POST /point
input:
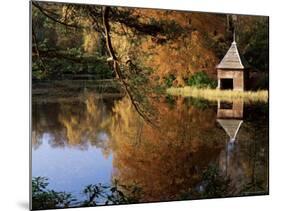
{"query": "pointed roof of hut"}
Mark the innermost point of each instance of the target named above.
(231, 126)
(233, 59)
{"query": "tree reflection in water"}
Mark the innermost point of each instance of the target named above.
(182, 158)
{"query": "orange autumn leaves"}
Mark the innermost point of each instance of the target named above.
(185, 49)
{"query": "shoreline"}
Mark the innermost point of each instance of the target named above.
(217, 94)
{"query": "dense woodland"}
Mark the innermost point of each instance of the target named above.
(137, 46)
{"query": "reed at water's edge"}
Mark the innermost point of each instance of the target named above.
(215, 94)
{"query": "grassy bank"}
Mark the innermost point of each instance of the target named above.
(215, 94)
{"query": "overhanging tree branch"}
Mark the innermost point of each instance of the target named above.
(45, 12)
(116, 65)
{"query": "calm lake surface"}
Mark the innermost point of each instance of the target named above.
(84, 135)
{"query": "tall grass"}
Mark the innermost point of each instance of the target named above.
(215, 94)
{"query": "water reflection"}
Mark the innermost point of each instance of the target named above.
(230, 118)
(233, 162)
(199, 149)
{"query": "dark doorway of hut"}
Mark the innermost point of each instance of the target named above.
(227, 83)
(226, 105)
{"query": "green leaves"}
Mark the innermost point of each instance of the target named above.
(201, 80)
(168, 80)
(43, 198)
(107, 194)
(257, 44)
(96, 194)
(39, 184)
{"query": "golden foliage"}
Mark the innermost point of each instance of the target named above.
(182, 55)
(81, 125)
(90, 41)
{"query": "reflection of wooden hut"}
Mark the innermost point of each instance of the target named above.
(232, 71)
(231, 127)
(230, 117)
(230, 110)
